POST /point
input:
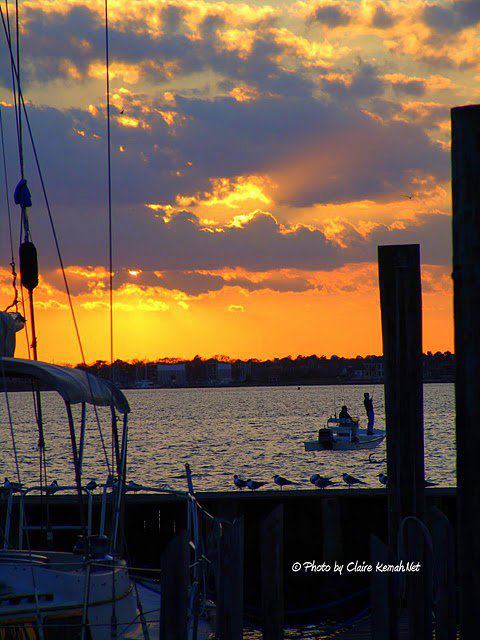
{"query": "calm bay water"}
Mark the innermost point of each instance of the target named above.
(255, 432)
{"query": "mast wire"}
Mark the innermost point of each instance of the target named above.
(14, 303)
(109, 184)
(21, 102)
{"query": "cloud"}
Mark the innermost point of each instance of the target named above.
(184, 255)
(382, 18)
(452, 17)
(332, 15)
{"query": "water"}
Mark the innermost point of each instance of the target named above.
(255, 432)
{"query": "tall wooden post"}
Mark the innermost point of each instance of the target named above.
(271, 547)
(229, 615)
(401, 306)
(466, 279)
(175, 584)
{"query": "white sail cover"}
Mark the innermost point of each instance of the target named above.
(74, 385)
(10, 323)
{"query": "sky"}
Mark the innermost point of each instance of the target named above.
(260, 154)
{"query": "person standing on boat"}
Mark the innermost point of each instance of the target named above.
(368, 403)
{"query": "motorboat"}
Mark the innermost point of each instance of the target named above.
(345, 434)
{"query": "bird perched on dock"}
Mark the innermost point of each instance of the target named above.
(133, 486)
(281, 482)
(323, 483)
(12, 486)
(253, 484)
(317, 476)
(52, 488)
(91, 485)
(351, 480)
(239, 482)
(383, 479)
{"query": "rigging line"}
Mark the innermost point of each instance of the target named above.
(20, 133)
(38, 613)
(109, 204)
(14, 88)
(10, 422)
(54, 233)
(7, 201)
(109, 184)
(44, 191)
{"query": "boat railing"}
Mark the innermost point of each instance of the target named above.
(24, 527)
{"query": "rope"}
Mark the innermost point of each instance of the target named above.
(402, 549)
(17, 466)
(14, 304)
(20, 132)
(52, 225)
(109, 184)
(14, 92)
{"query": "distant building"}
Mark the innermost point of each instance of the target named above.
(224, 373)
(172, 375)
(360, 373)
(374, 369)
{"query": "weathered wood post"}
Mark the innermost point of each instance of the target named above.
(466, 289)
(401, 307)
(175, 585)
(384, 618)
(229, 614)
(443, 539)
(271, 549)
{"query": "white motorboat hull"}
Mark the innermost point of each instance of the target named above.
(344, 443)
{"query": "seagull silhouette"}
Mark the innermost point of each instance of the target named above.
(52, 488)
(323, 483)
(383, 478)
(91, 485)
(239, 483)
(351, 480)
(253, 484)
(281, 482)
(12, 486)
(133, 486)
(317, 476)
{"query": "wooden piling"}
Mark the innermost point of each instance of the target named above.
(466, 280)
(175, 584)
(271, 549)
(382, 593)
(443, 539)
(401, 308)
(229, 579)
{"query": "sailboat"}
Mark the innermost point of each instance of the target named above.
(87, 592)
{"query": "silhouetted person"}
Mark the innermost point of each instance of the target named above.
(368, 403)
(344, 415)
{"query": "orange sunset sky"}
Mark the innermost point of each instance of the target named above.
(260, 153)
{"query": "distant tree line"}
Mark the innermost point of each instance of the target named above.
(313, 369)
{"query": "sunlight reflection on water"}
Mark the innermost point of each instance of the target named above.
(255, 432)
